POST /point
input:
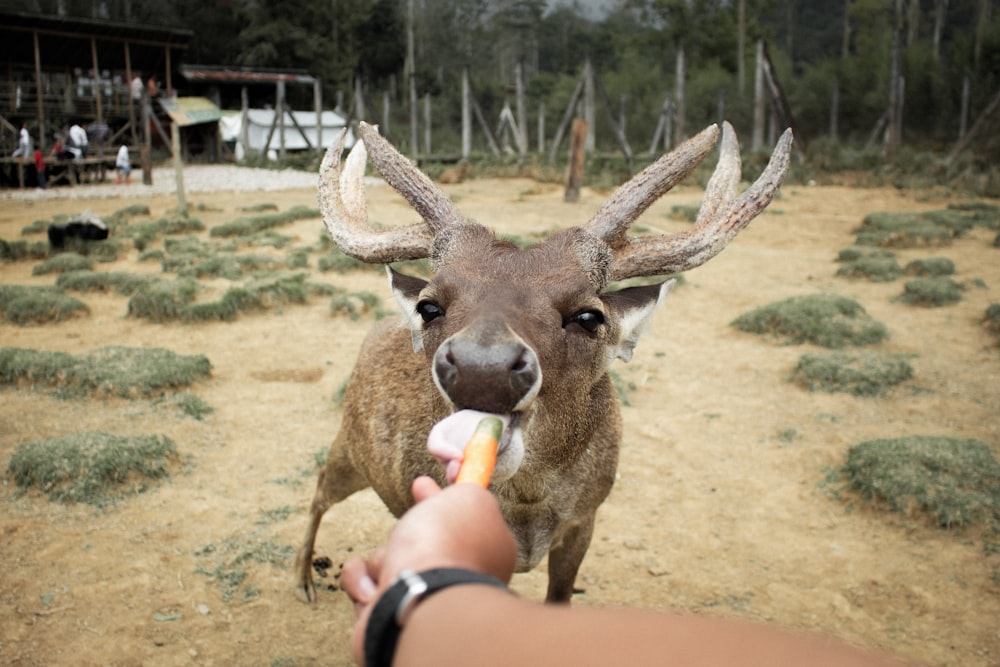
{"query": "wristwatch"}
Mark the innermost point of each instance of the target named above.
(394, 607)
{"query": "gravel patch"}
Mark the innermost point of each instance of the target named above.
(197, 178)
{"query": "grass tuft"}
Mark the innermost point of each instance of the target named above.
(930, 266)
(124, 372)
(931, 292)
(861, 374)
(30, 304)
(828, 320)
(93, 467)
(955, 481)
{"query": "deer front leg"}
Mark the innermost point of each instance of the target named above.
(337, 480)
(565, 559)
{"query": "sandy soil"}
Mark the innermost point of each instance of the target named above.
(718, 509)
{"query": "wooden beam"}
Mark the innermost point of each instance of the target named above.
(96, 79)
(38, 93)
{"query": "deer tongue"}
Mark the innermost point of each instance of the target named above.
(449, 436)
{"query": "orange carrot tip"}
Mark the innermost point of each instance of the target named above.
(481, 453)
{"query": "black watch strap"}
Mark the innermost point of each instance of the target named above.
(386, 622)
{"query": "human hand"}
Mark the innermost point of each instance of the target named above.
(460, 526)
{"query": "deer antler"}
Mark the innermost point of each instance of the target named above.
(343, 204)
(722, 214)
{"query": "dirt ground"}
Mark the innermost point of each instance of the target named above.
(719, 506)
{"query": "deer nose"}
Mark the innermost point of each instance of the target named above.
(493, 377)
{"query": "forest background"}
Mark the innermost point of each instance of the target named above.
(833, 59)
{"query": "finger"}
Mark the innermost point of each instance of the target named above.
(357, 581)
(424, 488)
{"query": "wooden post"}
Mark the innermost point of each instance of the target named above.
(522, 109)
(681, 74)
(168, 78)
(38, 92)
(427, 123)
(386, 114)
(245, 121)
(318, 105)
(588, 104)
(541, 127)
(577, 151)
(146, 155)
(175, 148)
(97, 80)
(963, 117)
(279, 110)
(466, 114)
(834, 110)
(131, 102)
(757, 140)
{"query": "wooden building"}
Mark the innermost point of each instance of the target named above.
(59, 71)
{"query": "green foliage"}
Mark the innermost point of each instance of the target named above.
(992, 320)
(931, 292)
(930, 266)
(875, 269)
(144, 234)
(106, 250)
(68, 261)
(860, 373)
(684, 212)
(859, 252)
(162, 301)
(253, 224)
(192, 405)
(122, 282)
(93, 467)
(907, 230)
(954, 480)
(354, 304)
(339, 262)
(227, 563)
(29, 304)
(124, 372)
(828, 320)
(14, 251)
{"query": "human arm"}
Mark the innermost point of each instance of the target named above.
(462, 527)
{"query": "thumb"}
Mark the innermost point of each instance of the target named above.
(423, 488)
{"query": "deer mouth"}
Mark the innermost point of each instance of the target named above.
(449, 436)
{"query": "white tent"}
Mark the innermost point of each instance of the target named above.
(262, 131)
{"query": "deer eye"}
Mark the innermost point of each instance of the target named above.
(589, 320)
(428, 310)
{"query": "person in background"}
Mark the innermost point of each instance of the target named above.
(77, 143)
(59, 151)
(124, 166)
(135, 88)
(455, 542)
(40, 168)
(152, 87)
(23, 143)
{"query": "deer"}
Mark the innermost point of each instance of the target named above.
(527, 334)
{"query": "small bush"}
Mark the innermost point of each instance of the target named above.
(931, 292)
(992, 320)
(94, 468)
(28, 304)
(875, 269)
(909, 230)
(828, 320)
(860, 374)
(857, 252)
(68, 261)
(15, 251)
(339, 262)
(930, 266)
(684, 212)
(354, 304)
(146, 233)
(956, 481)
(162, 301)
(122, 282)
(253, 224)
(123, 372)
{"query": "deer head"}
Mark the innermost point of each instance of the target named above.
(529, 333)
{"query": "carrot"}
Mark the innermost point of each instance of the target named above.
(481, 453)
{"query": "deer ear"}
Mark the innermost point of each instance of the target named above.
(406, 290)
(635, 307)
